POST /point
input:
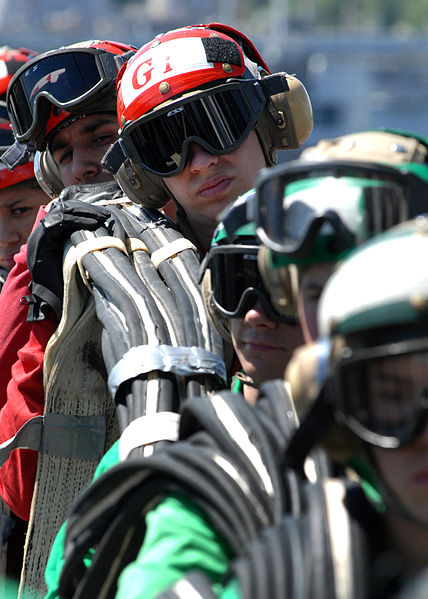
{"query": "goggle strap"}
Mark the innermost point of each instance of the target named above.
(16, 155)
(114, 157)
(121, 59)
(274, 84)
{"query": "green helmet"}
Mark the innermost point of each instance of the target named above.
(374, 310)
(309, 213)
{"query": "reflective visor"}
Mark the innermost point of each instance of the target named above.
(236, 283)
(293, 204)
(67, 79)
(219, 119)
(384, 398)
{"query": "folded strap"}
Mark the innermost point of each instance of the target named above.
(61, 435)
(96, 244)
(162, 426)
(171, 250)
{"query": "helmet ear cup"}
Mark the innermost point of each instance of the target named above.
(141, 186)
(295, 108)
(47, 174)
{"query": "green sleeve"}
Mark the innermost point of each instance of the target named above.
(56, 557)
(179, 539)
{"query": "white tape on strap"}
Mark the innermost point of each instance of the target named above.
(162, 426)
(171, 250)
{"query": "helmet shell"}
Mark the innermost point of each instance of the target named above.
(175, 63)
(390, 146)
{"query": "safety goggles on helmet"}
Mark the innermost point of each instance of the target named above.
(236, 283)
(358, 199)
(381, 393)
(70, 79)
(219, 119)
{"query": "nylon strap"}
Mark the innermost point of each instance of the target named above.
(93, 245)
(183, 361)
(171, 250)
(162, 426)
(134, 244)
(60, 435)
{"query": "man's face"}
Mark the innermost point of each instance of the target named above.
(396, 387)
(263, 346)
(209, 183)
(312, 280)
(78, 148)
(18, 209)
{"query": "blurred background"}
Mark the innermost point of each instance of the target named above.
(363, 62)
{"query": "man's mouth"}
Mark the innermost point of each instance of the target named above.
(214, 185)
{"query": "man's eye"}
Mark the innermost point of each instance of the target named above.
(63, 157)
(105, 138)
(20, 211)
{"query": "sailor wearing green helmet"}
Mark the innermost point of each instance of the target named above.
(373, 316)
(310, 214)
(239, 306)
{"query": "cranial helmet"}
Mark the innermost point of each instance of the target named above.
(22, 172)
(391, 146)
(204, 83)
(374, 309)
(313, 212)
(57, 86)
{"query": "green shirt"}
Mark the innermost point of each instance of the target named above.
(179, 539)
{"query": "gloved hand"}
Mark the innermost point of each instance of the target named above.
(46, 244)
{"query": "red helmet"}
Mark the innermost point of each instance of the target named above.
(206, 84)
(70, 81)
(179, 61)
(10, 61)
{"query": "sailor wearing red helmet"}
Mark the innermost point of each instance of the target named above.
(64, 97)
(20, 200)
(200, 115)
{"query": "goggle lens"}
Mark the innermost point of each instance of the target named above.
(236, 283)
(293, 203)
(219, 119)
(385, 399)
(65, 79)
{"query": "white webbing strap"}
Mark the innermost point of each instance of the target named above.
(171, 250)
(60, 435)
(162, 426)
(134, 245)
(96, 244)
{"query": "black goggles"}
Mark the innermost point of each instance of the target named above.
(383, 397)
(219, 119)
(236, 283)
(287, 224)
(68, 79)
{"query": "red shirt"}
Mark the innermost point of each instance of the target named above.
(22, 349)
